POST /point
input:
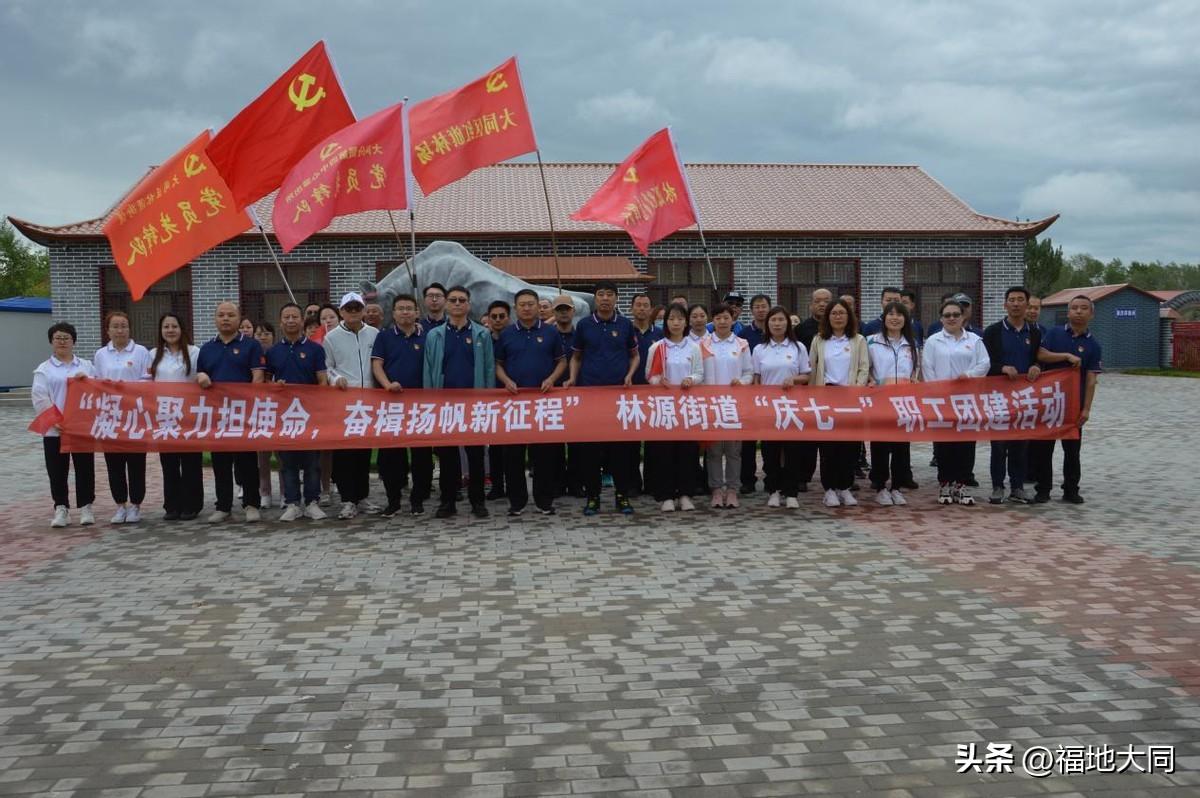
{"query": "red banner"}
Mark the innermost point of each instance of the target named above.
(647, 194)
(358, 168)
(181, 417)
(479, 124)
(176, 213)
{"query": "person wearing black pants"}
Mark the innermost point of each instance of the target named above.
(394, 470)
(126, 480)
(183, 485)
(496, 471)
(352, 475)
(953, 469)
(541, 456)
(894, 360)
(839, 358)
(58, 468)
(780, 465)
(240, 466)
(450, 479)
(123, 360)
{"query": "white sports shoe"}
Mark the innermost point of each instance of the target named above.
(831, 499)
(792, 503)
(291, 513)
(369, 507)
(119, 515)
(60, 516)
(218, 516)
(884, 497)
(264, 502)
(685, 503)
(133, 514)
(348, 511)
(86, 516)
(847, 498)
(313, 511)
(774, 499)
(668, 506)
(253, 514)
(898, 498)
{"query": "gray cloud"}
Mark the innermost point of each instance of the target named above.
(1088, 109)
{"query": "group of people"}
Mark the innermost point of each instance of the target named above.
(535, 343)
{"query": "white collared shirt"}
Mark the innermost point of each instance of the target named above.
(947, 358)
(775, 361)
(696, 339)
(127, 365)
(837, 359)
(891, 360)
(50, 383)
(171, 367)
(678, 359)
(726, 360)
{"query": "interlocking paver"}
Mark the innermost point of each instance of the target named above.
(707, 654)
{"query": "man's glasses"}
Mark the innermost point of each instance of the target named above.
(951, 315)
(458, 300)
(497, 317)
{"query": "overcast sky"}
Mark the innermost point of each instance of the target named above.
(1089, 109)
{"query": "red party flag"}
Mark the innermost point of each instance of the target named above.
(179, 211)
(255, 151)
(482, 123)
(647, 194)
(46, 420)
(358, 168)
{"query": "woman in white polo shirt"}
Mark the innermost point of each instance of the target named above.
(174, 360)
(674, 360)
(894, 359)
(50, 390)
(125, 361)
(726, 362)
(781, 360)
(839, 358)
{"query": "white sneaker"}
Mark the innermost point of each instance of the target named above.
(847, 498)
(348, 511)
(218, 517)
(774, 499)
(264, 502)
(253, 515)
(792, 503)
(133, 514)
(324, 500)
(831, 499)
(291, 513)
(685, 503)
(120, 515)
(884, 497)
(898, 498)
(668, 506)
(60, 516)
(369, 507)
(731, 498)
(314, 512)
(86, 516)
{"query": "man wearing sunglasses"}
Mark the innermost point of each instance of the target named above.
(496, 320)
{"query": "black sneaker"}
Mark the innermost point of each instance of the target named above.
(592, 506)
(513, 512)
(1072, 498)
(802, 487)
(972, 482)
(546, 510)
(909, 485)
(171, 515)
(391, 509)
(1041, 498)
(495, 495)
(623, 505)
(479, 510)
(188, 516)
(417, 508)
(446, 511)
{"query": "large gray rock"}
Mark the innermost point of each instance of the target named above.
(449, 263)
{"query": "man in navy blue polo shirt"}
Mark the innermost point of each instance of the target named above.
(232, 357)
(605, 353)
(295, 360)
(641, 311)
(1012, 345)
(398, 359)
(567, 460)
(1069, 346)
(908, 298)
(529, 355)
(435, 306)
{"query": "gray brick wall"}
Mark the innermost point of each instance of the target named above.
(74, 268)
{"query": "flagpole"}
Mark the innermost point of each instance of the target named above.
(695, 209)
(550, 217)
(400, 244)
(271, 249)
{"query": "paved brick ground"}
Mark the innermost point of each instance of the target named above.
(710, 654)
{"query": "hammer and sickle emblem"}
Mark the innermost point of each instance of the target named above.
(329, 149)
(630, 175)
(496, 83)
(303, 99)
(192, 165)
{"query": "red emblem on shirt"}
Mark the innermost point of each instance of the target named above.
(303, 355)
(235, 351)
(468, 339)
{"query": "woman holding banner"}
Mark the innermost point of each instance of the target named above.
(839, 357)
(894, 359)
(49, 394)
(674, 360)
(124, 360)
(781, 360)
(174, 360)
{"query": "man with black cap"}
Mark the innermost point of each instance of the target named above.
(605, 353)
(736, 302)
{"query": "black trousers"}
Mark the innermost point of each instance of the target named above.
(596, 456)
(954, 461)
(352, 473)
(58, 467)
(496, 461)
(183, 482)
(633, 467)
(673, 475)
(245, 466)
(450, 479)
(749, 475)
(126, 477)
(541, 457)
(781, 463)
(1041, 458)
(838, 460)
(890, 460)
(806, 461)
(394, 471)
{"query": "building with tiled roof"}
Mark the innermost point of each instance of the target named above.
(778, 229)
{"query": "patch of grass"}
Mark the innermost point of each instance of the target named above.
(1163, 373)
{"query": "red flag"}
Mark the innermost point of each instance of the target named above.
(647, 194)
(179, 211)
(482, 123)
(261, 144)
(46, 420)
(358, 168)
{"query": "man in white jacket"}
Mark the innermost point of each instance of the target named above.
(348, 361)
